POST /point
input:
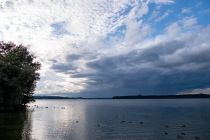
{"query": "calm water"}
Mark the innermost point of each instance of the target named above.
(172, 119)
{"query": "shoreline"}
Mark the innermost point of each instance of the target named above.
(187, 96)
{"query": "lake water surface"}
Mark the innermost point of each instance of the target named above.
(150, 119)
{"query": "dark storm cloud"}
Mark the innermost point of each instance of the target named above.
(72, 63)
(166, 68)
(63, 67)
(69, 67)
(147, 72)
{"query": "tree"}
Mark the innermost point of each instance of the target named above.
(18, 74)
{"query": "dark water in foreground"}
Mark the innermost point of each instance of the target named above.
(166, 119)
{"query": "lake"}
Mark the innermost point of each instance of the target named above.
(140, 119)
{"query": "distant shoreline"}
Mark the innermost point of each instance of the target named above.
(61, 97)
(187, 96)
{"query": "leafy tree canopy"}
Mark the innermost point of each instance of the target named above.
(18, 74)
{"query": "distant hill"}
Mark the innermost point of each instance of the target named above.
(55, 97)
(163, 96)
(61, 97)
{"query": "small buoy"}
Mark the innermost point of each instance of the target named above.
(197, 138)
(166, 133)
(179, 137)
(166, 126)
(183, 125)
(183, 133)
(141, 122)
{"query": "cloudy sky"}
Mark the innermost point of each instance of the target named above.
(101, 48)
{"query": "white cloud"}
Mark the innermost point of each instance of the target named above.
(197, 91)
(173, 29)
(163, 1)
(186, 10)
(189, 22)
(136, 31)
(181, 26)
(167, 13)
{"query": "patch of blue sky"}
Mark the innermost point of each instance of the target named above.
(153, 18)
(59, 29)
(198, 9)
(201, 11)
(118, 34)
(126, 10)
(122, 13)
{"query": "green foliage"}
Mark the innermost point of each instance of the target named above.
(18, 74)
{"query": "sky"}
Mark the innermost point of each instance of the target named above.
(104, 48)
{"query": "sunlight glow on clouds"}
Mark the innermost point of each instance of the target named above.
(95, 47)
